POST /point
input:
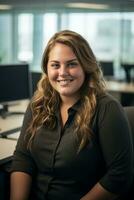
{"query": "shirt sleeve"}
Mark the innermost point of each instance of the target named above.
(116, 145)
(22, 158)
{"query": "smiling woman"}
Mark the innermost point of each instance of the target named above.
(75, 141)
(65, 73)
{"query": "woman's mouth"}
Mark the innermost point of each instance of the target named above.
(64, 82)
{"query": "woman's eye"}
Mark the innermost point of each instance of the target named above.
(73, 64)
(55, 65)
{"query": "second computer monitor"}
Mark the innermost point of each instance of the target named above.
(15, 83)
(107, 68)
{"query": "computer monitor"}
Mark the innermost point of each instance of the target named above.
(35, 76)
(128, 69)
(15, 84)
(107, 68)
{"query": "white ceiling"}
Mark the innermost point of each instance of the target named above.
(117, 5)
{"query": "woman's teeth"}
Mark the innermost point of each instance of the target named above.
(64, 82)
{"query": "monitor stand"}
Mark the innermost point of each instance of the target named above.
(4, 112)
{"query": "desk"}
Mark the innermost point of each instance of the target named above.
(7, 148)
(10, 124)
(123, 91)
(13, 121)
(122, 87)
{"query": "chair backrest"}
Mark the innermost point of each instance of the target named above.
(130, 114)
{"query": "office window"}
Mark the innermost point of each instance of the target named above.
(25, 37)
(75, 22)
(127, 39)
(5, 38)
(45, 25)
(26, 34)
(49, 26)
(37, 41)
(99, 30)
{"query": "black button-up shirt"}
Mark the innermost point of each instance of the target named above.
(60, 172)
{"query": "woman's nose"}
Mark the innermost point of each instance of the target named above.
(63, 70)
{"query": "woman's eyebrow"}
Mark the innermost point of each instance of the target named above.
(56, 61)
(68, 61)
(72, 60)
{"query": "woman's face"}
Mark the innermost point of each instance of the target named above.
(65, 73)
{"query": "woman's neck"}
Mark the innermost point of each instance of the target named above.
(68, 102)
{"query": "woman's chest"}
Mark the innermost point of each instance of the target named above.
(57, 152)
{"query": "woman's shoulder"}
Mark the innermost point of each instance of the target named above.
(28, 112)
(107, 99)
(108, 107)
(108, 103)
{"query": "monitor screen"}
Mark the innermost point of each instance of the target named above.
(107, 68)
(15, 82)
(35, 76)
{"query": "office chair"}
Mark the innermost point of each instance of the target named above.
(129, 110)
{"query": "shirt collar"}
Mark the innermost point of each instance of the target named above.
(72, 109)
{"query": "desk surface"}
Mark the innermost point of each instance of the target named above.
(7, 148)
(13, 121)
(121, 87)
(10, 123)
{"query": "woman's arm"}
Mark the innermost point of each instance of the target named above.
(20, 186)
(116, 147)
(23, 165)
(99, 193)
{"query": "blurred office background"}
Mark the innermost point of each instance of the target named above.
(108, 25)
(26, 26)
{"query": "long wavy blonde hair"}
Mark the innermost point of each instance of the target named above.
(46, 98)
